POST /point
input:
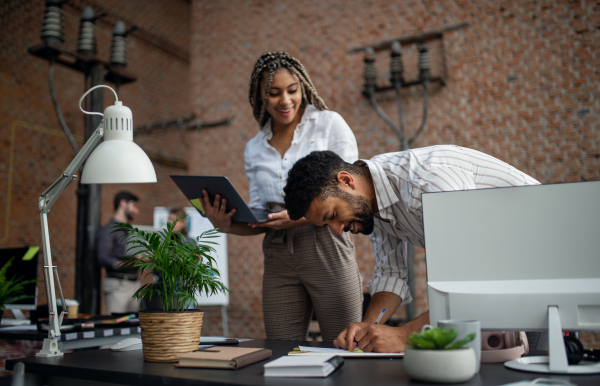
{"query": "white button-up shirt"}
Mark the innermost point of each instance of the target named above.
(400, 179)
(267, 170)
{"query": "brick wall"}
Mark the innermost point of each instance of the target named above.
(522, 85)
(158, 55)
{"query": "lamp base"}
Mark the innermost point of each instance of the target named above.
(50, 349)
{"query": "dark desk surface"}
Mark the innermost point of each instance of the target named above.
(130, 368)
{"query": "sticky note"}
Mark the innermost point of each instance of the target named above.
(30, 253)
(198, 205)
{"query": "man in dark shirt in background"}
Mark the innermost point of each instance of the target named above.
(119, 285)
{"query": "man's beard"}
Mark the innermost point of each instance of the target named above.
(362, 212)
(128, 215)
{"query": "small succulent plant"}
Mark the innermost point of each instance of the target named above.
(438, 339)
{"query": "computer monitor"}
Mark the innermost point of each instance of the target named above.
(24, 264)
(518, 258)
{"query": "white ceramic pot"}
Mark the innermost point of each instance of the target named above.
(443, 366)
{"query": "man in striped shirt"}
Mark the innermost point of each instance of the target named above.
(381, 197)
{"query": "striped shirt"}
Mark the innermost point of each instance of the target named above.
(400, 179)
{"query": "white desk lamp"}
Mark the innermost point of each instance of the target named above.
(115, 160)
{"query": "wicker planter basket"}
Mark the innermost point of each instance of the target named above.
(165, 335)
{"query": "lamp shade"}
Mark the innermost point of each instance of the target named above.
(114, 162)
(118, 159)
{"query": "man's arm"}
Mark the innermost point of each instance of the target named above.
(389, 286)
(379, 301)
(380, 338)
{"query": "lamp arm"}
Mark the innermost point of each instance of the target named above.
(45, 202)
(52, 193)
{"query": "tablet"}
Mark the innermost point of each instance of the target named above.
(192, 187)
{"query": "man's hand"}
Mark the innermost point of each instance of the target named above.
(280, 220)
(380, 338)
(346, 338)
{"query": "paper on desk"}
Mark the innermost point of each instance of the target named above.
(307, 350)
(324, 349)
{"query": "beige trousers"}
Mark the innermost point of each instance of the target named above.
(309, 268)
(118, 295)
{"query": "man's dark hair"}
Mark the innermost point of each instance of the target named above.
(314, 176)
(124, 196)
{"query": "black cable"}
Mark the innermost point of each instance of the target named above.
(384, 116)
(57, 109)
(403, 144)
(425, 83)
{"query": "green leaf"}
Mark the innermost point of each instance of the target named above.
(186, 267)
(421, 341)
(438, 339)
(462, 342)
(11, 290)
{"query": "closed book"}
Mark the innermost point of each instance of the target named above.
(223, 357)
(303, 366)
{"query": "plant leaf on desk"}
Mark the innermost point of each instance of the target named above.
(184, 266)
(438, 339)
(463, 341)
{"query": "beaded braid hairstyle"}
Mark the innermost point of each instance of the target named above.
(267, 64)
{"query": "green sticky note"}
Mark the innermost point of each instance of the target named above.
(197, 204)
(30, 253)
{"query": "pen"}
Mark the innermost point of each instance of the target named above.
(376, 322)
(380, 316)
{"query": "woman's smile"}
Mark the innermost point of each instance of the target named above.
(285, 99)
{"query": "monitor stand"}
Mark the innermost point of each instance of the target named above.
(18, 314)
(18, 319)
(557, 362)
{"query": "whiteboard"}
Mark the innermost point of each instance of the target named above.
(196, 224)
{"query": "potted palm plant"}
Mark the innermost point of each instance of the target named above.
(184, 267)
(11, 290)
(432, 357)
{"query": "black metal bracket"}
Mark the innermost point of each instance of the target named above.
(76, 61)
(180, 123)
(439, 80)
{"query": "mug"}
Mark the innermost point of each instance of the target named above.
(464, 328)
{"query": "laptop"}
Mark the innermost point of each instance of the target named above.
(192, 187)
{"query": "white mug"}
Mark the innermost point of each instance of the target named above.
(464, 328)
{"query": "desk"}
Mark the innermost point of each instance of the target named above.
(106, 367)
(73, 340)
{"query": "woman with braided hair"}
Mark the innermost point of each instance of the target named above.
(306, 267)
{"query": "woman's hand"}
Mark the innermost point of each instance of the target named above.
(280, 220)
(216, 212)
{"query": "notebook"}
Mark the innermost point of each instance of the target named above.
(305, 366)
(192, 187)
(223, 357)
